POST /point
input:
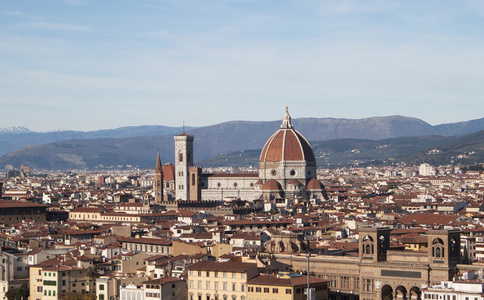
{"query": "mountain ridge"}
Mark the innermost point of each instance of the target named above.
(210, 141)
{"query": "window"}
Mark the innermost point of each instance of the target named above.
(199, 284)
(275, 291)
(225, 286)
(191, 284)
(368, 285)
(101, 296)
(266, 290)
(233, 287)
(233, 274)
(208, 273)
(225, 274)
(288, 291)
(242, 287)
(215, 274)
(101, 287)
(257, 289)
(199, 273)
(345, 282)
(207, 287)
(298, 291)
(216, 285)
(250, 289)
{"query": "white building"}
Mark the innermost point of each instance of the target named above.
(455, 290)
(426, 170)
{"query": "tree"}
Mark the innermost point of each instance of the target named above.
(12, 294)
(24, 292)
(21, 293)
(92, 275)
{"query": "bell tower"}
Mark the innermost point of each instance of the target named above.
(158, 181)
(183, 161)
(373, 244)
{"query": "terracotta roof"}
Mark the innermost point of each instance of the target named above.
(151, 241)
(168, 172)
(315, 184)
(87, 210)
(287, 144)
(230, 175)
(162, 281)
(284, 280)
(221, 266)
(6, 203)
(271, 185)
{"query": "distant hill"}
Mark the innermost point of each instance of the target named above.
(436, 150)
(123, 147)
(13, 138)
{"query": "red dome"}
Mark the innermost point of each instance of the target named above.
(287, 145)
(271, 185)
(315, 184)
(168, 172)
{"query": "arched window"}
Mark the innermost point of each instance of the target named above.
(368, 247)
(193, 179)
(180, 157)
(438, 248)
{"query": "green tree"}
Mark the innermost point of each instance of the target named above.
(24, 292)
(92, 275)
(12, 294)
(21, 293)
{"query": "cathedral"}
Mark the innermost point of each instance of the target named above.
(287, 170)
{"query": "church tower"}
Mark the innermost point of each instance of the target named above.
(183, 161)
(158, 181)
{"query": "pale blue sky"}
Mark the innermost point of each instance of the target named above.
(86, 65)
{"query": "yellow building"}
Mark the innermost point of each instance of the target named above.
(48, 283)
(286, 286)
(209, 280)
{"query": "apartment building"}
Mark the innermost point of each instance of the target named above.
(209, 280)
(48, 283)
(286, 286)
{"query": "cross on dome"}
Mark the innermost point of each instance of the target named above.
(286, 120)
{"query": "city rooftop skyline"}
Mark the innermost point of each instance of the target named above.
(88, 65)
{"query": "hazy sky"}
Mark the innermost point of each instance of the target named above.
(86, 65)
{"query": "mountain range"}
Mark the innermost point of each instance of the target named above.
(137, 145)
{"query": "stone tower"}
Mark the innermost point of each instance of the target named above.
(195, 189)
(373, 244)
(183, 161)
(158, 181)
(443, 254)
